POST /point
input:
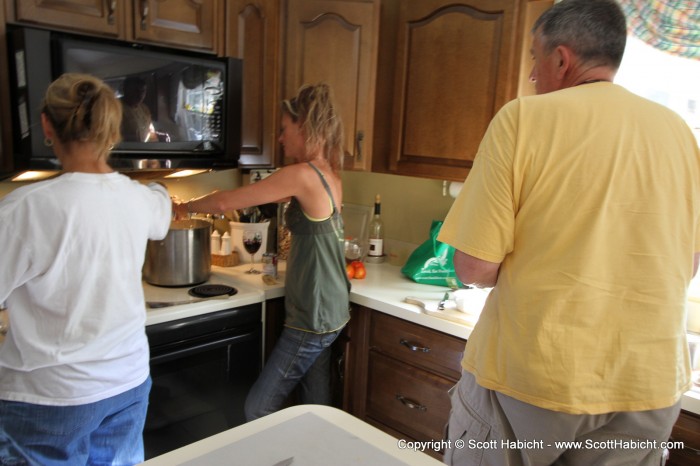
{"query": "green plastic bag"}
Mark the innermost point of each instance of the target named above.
(431, 262)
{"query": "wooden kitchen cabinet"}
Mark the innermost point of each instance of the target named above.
(402, 375)
(195, 24)
(189, 24)
(107, 18)
(253, 34)
(454, 67)
(336, 41)
(686, 430)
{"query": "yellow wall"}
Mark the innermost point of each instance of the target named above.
(409, 204)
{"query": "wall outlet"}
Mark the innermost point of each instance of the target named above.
(260, 174)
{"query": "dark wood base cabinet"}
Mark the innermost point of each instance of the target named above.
(401, 375)
(686, 430)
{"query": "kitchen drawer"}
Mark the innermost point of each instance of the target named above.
(417, 345)
(407, 399)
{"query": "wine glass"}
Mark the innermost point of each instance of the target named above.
(252, 240)
(353, 250)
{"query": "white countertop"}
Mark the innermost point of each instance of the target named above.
(282, 438)
(246, 295)
(384, 289)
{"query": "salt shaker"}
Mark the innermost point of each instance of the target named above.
(215, 242)
(226, 244)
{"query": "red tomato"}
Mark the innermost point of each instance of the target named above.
(350, 270)
(360, 271)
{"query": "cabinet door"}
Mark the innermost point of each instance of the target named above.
(193, 24)
(104, 17)
(455, 67)
(336, 41)
(252, 30)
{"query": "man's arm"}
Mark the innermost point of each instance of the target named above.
(476, 272)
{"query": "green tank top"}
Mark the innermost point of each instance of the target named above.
(317, 289)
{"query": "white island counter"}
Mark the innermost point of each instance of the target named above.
(309, 435)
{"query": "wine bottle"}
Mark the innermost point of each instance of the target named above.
(376, 232)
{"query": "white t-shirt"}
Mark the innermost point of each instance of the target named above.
(70, 273)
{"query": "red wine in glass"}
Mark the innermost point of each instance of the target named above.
(253, 245)
(252, 240)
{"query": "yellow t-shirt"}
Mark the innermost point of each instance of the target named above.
(589, 198)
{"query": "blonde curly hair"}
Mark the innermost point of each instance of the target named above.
(313, 108)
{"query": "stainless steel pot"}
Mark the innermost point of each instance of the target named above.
(182, 258)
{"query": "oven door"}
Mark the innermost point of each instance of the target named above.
(202, 368)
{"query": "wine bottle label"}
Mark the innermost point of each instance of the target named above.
(376, 247)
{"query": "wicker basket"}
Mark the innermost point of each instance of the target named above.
(228, 260)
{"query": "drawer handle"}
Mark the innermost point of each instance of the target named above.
(410, 403)
(414, 347)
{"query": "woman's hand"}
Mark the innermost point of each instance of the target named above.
(181, 210)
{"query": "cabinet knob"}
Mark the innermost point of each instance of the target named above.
(410, 403)
(414, 346)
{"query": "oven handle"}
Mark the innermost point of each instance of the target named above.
(194, 349)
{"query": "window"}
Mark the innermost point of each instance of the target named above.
(668, 79)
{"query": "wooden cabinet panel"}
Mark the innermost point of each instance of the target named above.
(408, 399)
(252, 29)
(455, 67)
(194, 24)
(417, 345)
(336, 41)
(104, 17)
(686, 430)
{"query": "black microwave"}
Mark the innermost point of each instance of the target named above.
(193, 101)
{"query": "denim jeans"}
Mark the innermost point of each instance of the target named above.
(107, 432)
(298, 358)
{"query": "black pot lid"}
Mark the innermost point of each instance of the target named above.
(211, 289)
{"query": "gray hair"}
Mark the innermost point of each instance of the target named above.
(595, 30)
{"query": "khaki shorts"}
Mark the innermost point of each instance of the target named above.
(487, 428)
